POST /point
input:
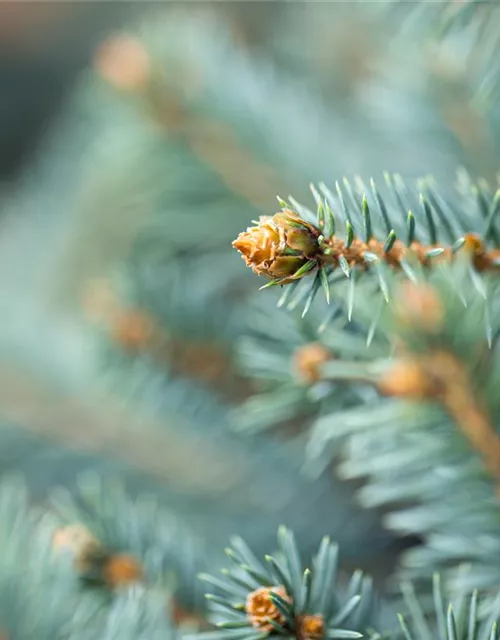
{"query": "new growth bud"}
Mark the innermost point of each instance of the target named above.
(279, 246)
(261, 609)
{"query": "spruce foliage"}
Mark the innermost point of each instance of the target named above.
(154, 403)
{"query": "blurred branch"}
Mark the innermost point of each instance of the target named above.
(113, 431)
(215, 144)
(441, 377)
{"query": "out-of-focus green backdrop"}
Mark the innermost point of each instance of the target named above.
(136, 141)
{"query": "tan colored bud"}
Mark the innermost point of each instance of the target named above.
(279, 246)
(122, 569)
(311, 627)
(419, 307)
(124, 63)
(133, 330)
(407, 379)
(260, 608)
(307, 361)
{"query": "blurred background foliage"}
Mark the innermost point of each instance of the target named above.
(136, 141)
